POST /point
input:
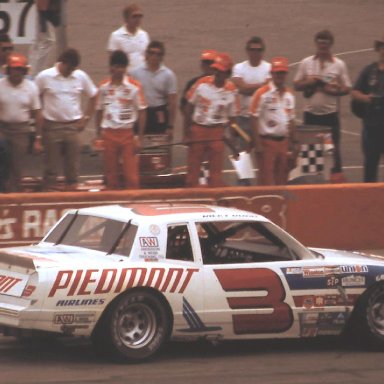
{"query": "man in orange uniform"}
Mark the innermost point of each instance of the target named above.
(273, 112)
(213, 104)
(120, 104)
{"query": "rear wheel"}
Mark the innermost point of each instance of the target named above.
(134, 328)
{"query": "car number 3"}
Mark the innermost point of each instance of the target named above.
(277, 316)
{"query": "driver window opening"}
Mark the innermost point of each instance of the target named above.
(240, 242)
(179, 243)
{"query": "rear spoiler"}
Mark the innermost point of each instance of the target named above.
(15, 259)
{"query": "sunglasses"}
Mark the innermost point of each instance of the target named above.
(155, 53)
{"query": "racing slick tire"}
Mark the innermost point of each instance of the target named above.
(368, 327)
(134, 328)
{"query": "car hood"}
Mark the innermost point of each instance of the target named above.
(49, 255)
(351, 256)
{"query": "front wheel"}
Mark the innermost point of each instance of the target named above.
(375, 315)
(135, 327)
(367, 323)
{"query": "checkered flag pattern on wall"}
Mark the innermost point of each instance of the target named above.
(312, 158)
(204, 174)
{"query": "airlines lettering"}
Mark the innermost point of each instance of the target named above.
(103, 281)
(7, 282)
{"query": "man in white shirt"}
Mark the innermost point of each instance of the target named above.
(249, 76)
(19, 101)
(120, 106)
(61, 88)
(130, 38)
(323, 78)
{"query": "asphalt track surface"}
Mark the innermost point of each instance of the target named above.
(267, 362)
(187, 27)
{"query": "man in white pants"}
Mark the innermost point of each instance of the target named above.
(61, 88)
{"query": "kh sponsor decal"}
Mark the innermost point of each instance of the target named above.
(73, 318)
(149, 242)
(102, 281)
(150, 249)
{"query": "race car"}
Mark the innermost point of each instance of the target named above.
(134, 277)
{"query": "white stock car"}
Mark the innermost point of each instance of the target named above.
(133, 277)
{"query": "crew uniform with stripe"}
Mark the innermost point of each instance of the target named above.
(213, 109)
(120, 105)
(274, 111)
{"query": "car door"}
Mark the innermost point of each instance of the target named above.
(246, 292)
(189, 306)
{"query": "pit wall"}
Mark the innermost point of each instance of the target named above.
(344, 216)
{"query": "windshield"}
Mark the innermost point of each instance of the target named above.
(96, 233)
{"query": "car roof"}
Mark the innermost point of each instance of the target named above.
(165, 212)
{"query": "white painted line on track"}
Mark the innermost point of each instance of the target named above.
(340, 54)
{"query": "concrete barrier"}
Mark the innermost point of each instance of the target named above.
(347, 216)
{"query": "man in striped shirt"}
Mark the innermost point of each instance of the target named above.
(273, 112)
(213, 104)
(120, 104)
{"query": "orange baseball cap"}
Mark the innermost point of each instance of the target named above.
(17, 60)
(279, 64)
(223, 62)
(208, 55)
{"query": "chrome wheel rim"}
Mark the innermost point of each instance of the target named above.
(376, 313)
(136, 325)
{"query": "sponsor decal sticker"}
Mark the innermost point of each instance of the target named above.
(379, 277)
(333, 281)
(154, 229)
(72, 318)
(150, 249)
(354, 269)
(353, 281)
